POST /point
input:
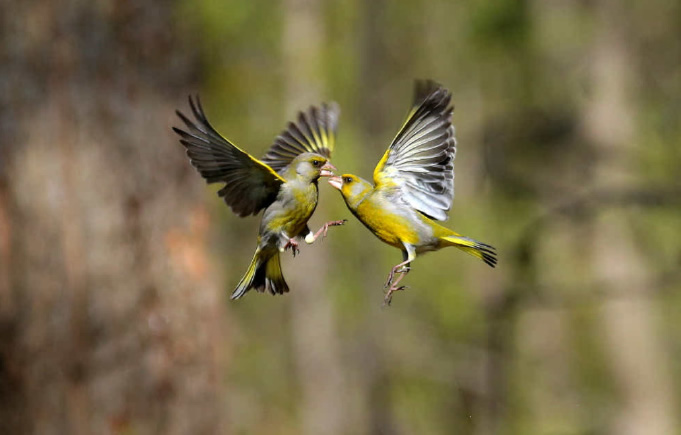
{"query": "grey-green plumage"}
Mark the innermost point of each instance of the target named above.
(284, 184)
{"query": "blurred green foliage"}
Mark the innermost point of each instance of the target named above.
(465, 346)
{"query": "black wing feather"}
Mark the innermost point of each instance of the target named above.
(313, 132)
(250, 185)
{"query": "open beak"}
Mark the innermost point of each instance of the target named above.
(327, 170)
(336, 182)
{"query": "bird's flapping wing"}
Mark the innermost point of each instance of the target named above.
(420, 160)
(250, 185)
(314, 132)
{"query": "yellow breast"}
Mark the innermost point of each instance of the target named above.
(389, 226)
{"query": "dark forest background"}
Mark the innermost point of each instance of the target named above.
(116, 261)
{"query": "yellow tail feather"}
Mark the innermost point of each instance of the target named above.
(274, 278)
(477, 249)
(264, 273)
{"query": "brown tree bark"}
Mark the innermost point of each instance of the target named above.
(110, 318)
(637, 356)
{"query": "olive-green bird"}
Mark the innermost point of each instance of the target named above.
(283, 183)
(413, 187)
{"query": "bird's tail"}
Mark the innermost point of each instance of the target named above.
(477, 249)
(264, 273)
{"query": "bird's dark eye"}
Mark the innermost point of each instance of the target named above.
(347, 180)
(316, 162)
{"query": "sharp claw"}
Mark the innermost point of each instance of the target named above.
(389, 281)
(293, 245)
(387, 300)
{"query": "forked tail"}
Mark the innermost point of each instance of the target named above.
(477, 249)
(264, 273)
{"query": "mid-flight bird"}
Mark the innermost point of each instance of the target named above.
(413, 186)
(283, 183)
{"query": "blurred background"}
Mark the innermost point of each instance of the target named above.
(116, 260)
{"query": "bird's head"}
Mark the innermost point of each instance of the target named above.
(353, 188)
(312, 166)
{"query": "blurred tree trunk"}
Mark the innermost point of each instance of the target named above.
(374, 382)
(315, 337)
(638, 357)
(109, 318)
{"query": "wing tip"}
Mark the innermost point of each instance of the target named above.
(430, 93)
(313, 130)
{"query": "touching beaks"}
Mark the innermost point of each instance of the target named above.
(336, 182)
(327, 170)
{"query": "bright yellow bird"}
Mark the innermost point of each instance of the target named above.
(413, 187)
(283, 183)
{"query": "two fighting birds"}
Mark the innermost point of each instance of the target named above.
(413, 185)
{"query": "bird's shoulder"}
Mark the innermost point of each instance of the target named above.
(381, 202)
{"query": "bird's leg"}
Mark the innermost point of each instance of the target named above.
(293, 245)
(393, 288)
(402, 268)
(408, 255)
(310, 238)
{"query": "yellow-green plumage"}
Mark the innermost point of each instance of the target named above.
(393, 221)
(413, 186)
(299, 201)
(393, 229)
(283, 184)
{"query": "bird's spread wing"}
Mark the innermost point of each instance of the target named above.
(420, 160)
(250, 185)
(314, 132)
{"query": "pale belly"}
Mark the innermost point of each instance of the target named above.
(287, 218)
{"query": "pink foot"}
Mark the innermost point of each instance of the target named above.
(389, 294)
(293, 245)
(323, 230)
(397, 269)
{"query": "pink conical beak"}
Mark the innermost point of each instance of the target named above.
(336, 182)
(327, 170)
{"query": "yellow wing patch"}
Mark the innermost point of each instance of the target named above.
(264, 165)
(378, 176)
